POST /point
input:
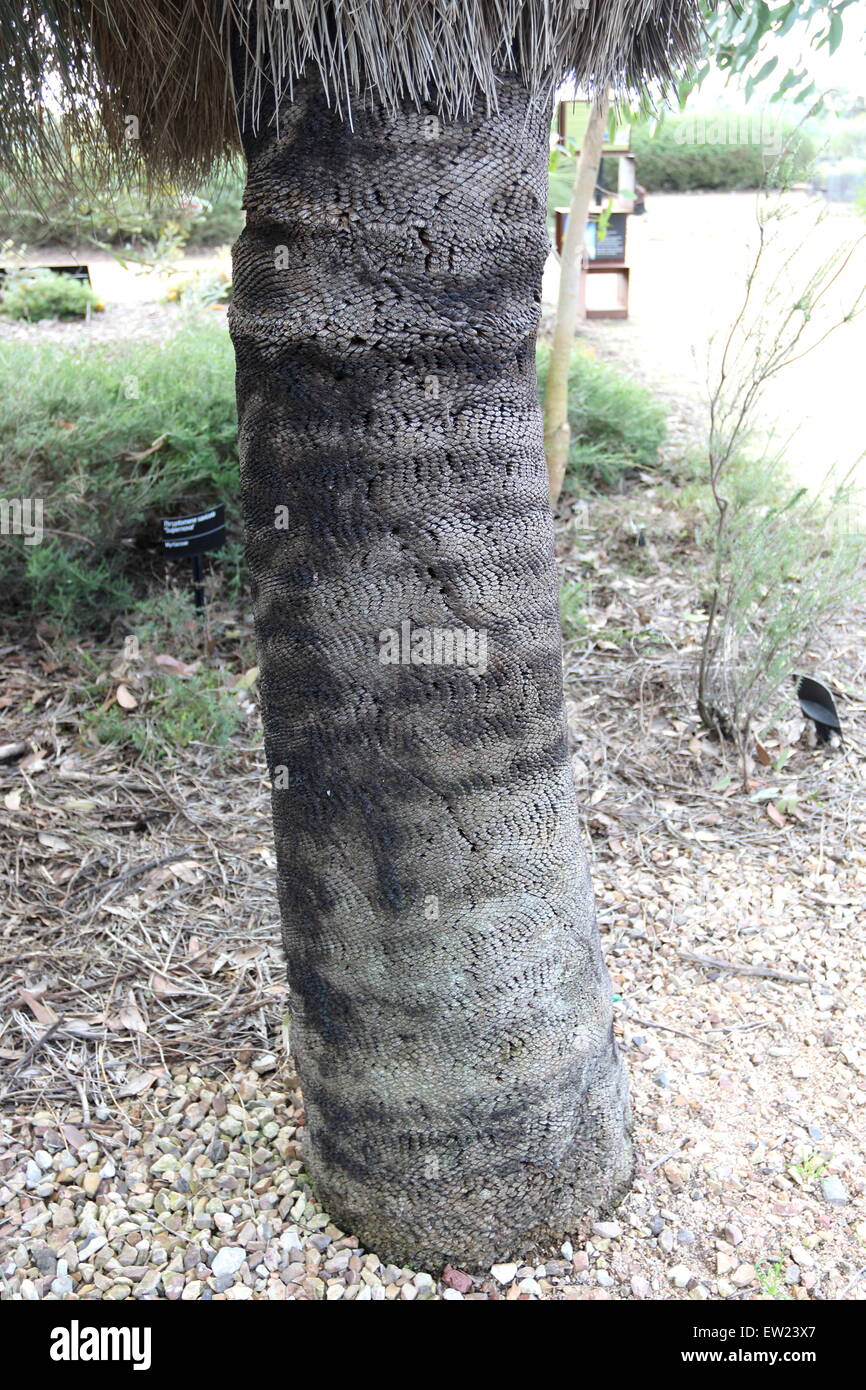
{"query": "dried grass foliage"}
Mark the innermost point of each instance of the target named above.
(167, 63)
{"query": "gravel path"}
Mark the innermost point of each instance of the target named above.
(750, 1094)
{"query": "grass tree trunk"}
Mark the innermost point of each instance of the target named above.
(451, 1014)
(557, 432)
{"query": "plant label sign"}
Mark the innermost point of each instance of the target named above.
(193, 535)
(610, 247)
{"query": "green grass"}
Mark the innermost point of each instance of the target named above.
(572, 607)
(617, 425)
(111, 439)
(176, 713)
(771, 1278)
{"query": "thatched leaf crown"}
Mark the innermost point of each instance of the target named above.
(151, 82)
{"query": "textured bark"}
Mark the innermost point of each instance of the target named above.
(451, 1014)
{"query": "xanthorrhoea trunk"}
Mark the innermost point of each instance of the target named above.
(451, 1014)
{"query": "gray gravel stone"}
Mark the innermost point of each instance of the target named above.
(228, 1260)
(834, 1191)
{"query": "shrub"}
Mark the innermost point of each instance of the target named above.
(45, 294)
(720, 150)
(202, 289)
(784, 562)
(111, 439)
(617, 425)
(73, 590)
(117, 217)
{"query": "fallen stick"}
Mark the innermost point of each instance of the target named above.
(854, 1282)
(763, 970)
(664, 1028)
(659, 1163)
(34, 1048)
(104, 885)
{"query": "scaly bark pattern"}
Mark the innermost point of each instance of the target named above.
(451, 1014)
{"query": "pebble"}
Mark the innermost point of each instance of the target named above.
(457, 1280)
(504, 1274)
(608, 1230)
(227, 1260)
(265, 1062)
(834, 1191)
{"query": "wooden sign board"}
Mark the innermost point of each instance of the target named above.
(604, 290)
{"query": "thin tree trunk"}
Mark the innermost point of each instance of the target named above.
(451, 1014)
(557, 432)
